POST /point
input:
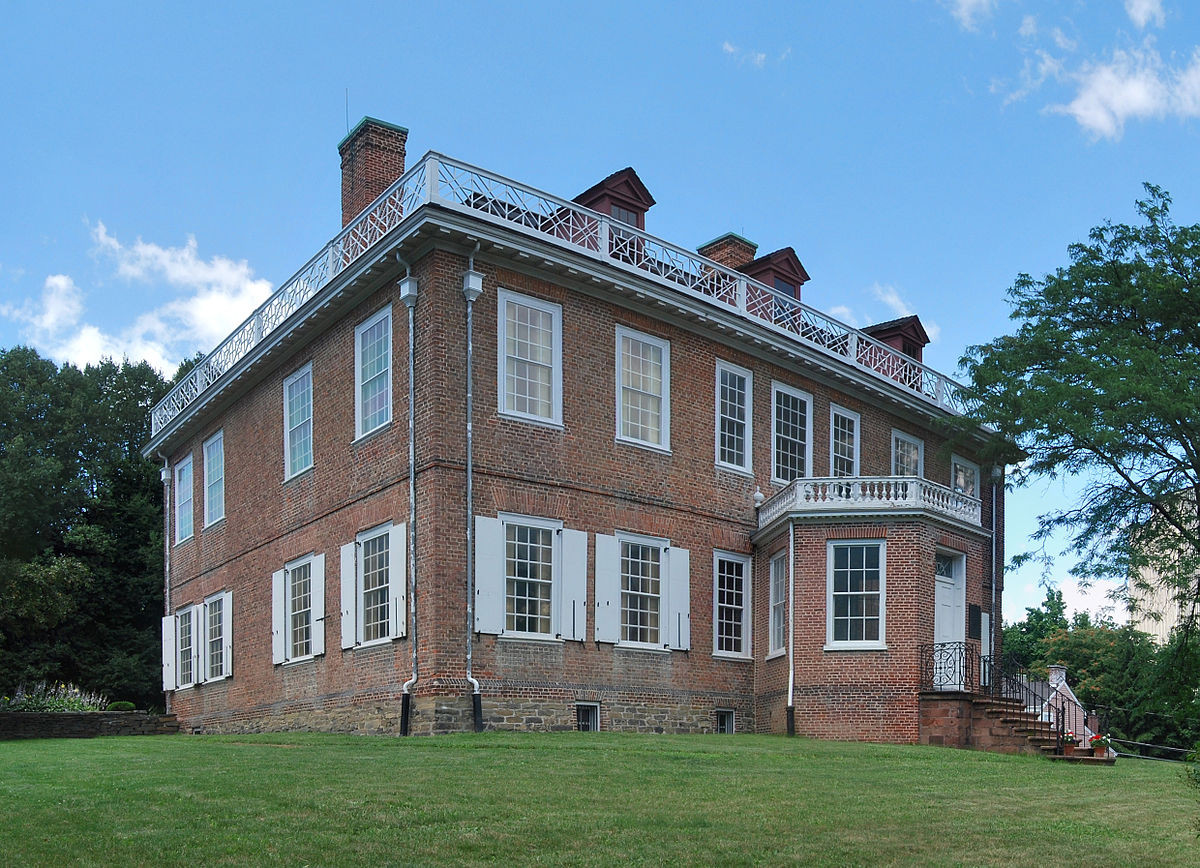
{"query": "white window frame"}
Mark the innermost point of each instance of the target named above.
(282, 611)
(504, 298)
(211, 513)
(664, 425)
(556, 556)
(747, 604)
(675, 593)
(832, 644)
(776, 389)
(290, 469)
(594, 709)
(730, 715)
(664, 572)
(201, 635)
(352, 592)
(899, 436)
(957, 461)
(184, 505)
(777, 580)
(384, 314)
(747, 463)
(834, 412)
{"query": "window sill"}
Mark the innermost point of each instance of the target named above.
(552, 424)
(642, 444)
(642, 646)
(779, 652)
(855, 646)
(186, 539)
(213, 525)
(736, 658)
(374, 432)
(531, 638)
(298, 474)
(296, 660)
(733, 468)
(374, 643)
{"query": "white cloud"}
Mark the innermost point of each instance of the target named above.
(728, 47)
(843, 313)
(1142, 12)
(1133, 84)
(1028, 28)
(1034, 73)
(1064, 42)
(200, 302)
(756, 58)
(968, 12)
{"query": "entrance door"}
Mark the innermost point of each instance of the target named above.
(949, 622)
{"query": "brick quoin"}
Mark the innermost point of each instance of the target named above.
(578, 473)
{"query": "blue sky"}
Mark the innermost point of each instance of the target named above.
(163, 168)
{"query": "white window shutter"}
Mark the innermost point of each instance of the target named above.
(199, 643)
(349, 595)
(608, 588)
(573, 590)
(398, 581)
(679, 599)
(227, 631)
(489, 575)
(278, 617)
(168, 653)
(317, 612)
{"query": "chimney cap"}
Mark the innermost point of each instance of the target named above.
(733, 236)
(368, 120)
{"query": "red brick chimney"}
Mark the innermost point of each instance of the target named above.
(730, 250)
(372, 158)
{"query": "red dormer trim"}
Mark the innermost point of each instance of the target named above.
(781, 270)
(623, 189)
(905, 334)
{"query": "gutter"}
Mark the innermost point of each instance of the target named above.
(166, 481)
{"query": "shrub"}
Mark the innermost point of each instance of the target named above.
(52, 697)
(120, 705)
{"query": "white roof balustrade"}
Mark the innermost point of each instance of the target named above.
(871, 495)
(441, 181)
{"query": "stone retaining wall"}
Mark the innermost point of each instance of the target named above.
(84, 724)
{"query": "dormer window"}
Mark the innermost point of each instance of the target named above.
(629, 218)
(785, 287)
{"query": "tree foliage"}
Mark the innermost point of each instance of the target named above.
(80, 526)
(1101, 380)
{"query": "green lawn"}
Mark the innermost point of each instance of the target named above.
(591, 798)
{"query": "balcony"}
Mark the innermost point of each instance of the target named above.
(454, 186)
(871, 495)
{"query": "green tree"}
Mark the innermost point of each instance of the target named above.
(80, 526)
(1101, 380)
(1023, 641)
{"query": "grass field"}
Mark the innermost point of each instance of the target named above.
(577, 798)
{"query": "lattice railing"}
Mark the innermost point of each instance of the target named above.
(861, 494)
(437, 179)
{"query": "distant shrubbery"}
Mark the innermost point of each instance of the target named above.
(53, 697)
(120, 705)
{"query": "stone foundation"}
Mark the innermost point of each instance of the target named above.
(83, 724)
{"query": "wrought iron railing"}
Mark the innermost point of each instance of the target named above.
(861, 494)
(439, 180)
(950, 666)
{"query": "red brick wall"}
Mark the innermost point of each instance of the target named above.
(372, 158)
(579, 474)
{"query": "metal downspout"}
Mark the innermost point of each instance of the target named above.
(791, 631)
(408, 294)
(472, 288)
(996, 476)
(166, 481)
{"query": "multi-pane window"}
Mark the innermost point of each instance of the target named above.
(778, 603)
(183, 500)
(298, 610)
(643, 389)
(641, 592)
(731, 575)
(297, 422)
(214, 610)
(843, 442)
(528, 578)
(376, 564)
(214, 478)
(908, 455)
(629, 218)
(530, 358)
(856, 579)
(734, 415)
(198, 643)
(373, 372)
(791, 433)
(964, 476)
(186, 647)
(299, 591)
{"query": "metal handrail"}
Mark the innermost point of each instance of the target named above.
(437, 179)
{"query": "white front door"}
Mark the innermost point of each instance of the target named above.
(949, 622)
